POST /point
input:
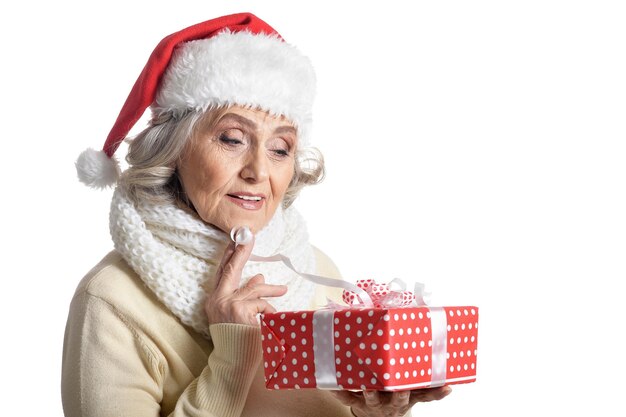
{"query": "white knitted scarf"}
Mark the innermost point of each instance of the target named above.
(175, 253)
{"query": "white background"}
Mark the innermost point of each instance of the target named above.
(477, 146)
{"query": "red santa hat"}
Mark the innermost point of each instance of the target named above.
(235, 59)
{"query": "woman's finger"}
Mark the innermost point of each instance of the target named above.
(429, 394)
(372, 399)
(230, 275)
(347, 397)
(260, 290)
(400, 399)
(246, 312)
(228, 253)
(250, 308)
(255, 280)
(211, 285)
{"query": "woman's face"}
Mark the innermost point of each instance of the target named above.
(236, 170)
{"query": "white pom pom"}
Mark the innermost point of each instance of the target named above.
(96, 170)
(241, 235)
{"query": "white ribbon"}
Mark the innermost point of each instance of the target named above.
(243, 236)
(439, 332)
(422, 297)
(324, 349)
(328, 282)
(323, 321)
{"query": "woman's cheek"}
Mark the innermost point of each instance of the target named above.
(286, 177)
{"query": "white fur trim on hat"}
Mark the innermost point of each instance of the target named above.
(259, 71)
(96, 170)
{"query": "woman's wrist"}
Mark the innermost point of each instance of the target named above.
(237, 344)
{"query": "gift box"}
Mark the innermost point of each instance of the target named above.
(381, 348)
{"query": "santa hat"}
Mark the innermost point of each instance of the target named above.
(235, 59)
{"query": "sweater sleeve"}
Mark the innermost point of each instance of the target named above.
(223, 386)
(111, 369)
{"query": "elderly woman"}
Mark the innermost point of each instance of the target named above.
(166, 324)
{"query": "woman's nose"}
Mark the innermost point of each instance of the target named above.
(256, 167)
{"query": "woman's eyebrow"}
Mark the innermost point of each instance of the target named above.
(246, 122)
(252, 125)
(285, 129)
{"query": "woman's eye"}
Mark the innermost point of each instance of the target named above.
(230, 141)
(224, 138)
(279, 148)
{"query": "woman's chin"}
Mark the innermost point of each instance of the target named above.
(254, 221)
(227, 227)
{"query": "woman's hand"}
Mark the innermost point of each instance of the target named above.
(228, 303)
(388, 404)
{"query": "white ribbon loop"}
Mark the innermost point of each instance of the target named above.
(397, 281)
(422, 297)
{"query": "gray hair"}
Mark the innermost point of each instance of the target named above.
(153, 154)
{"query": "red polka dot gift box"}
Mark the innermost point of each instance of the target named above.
(382, 348)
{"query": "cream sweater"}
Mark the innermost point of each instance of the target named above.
(125, 354)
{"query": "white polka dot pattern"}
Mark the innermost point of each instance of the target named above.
(382, 349)
(288, 353)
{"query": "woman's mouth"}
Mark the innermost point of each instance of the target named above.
(247, 201)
